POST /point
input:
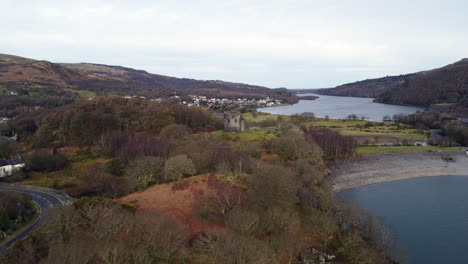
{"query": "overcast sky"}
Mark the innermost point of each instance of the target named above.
(293, 43)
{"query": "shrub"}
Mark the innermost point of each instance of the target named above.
(145, 171)
(85, 154)
(43, 160)
(178, 167)
(175, 131)
(291, 145)
(115, 167)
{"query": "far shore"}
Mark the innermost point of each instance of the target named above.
(365, 170)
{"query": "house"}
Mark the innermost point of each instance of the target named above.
(8, 166)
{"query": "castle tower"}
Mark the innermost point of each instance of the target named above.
(233, 121)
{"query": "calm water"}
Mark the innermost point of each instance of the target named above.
(429, 215)
(341, 107)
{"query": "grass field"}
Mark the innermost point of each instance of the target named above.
(445, 104)
(83, 93)
(261, 116)
(351, 127)
(250, 134)
(403, 149)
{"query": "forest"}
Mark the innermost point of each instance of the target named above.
(266, 200)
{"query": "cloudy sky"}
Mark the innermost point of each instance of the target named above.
(294, 43)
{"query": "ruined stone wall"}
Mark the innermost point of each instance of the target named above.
(233, 122)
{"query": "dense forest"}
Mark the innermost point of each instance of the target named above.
(267, 200)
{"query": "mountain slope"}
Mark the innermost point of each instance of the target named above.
(367, 88)
(448, 84)
(445, 85)
(27, 73)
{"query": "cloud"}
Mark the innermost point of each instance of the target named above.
(298, 43)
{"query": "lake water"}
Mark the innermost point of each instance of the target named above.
(341, 107)
(429, 215)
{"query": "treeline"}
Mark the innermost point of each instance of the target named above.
(333, 144)
(84, 122)
(12, 105)
(15, 211)
(454, 132)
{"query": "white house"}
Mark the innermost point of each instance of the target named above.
(8, 166)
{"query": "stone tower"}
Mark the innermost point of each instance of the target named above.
(233, 121)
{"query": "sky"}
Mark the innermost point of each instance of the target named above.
(293, 44)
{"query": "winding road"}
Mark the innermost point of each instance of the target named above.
(44, 198)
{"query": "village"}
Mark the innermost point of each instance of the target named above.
(214, 103)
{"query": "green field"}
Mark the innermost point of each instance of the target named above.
(403, 149)
(250, 134)
(445, 104)
(404, 133)
(260, 116)
(367, 128)
(351, 127)
(83, 93)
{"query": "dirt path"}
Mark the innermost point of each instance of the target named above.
(351, 173)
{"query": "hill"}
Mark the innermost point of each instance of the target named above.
(366, 88)
(17, 72)
(448, 84)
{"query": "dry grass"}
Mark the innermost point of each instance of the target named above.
(166, 199)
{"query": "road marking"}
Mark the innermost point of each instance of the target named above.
(26, 229)
(15, 187)
(36, 194)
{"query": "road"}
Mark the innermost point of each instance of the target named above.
(44, 198)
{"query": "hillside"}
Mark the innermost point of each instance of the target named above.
(17, 72)
(367, 88)
(445, 85)
(448, 84)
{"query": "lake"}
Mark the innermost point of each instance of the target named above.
(429, 215)
(339, 107)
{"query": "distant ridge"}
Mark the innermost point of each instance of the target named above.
(104, 79)
(448, 84)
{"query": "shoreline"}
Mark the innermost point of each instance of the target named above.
(372, 169)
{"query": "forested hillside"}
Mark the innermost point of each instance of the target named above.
(448, 84)
(368, 88)
(445, 85)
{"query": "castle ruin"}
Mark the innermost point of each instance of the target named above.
(233, 122)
